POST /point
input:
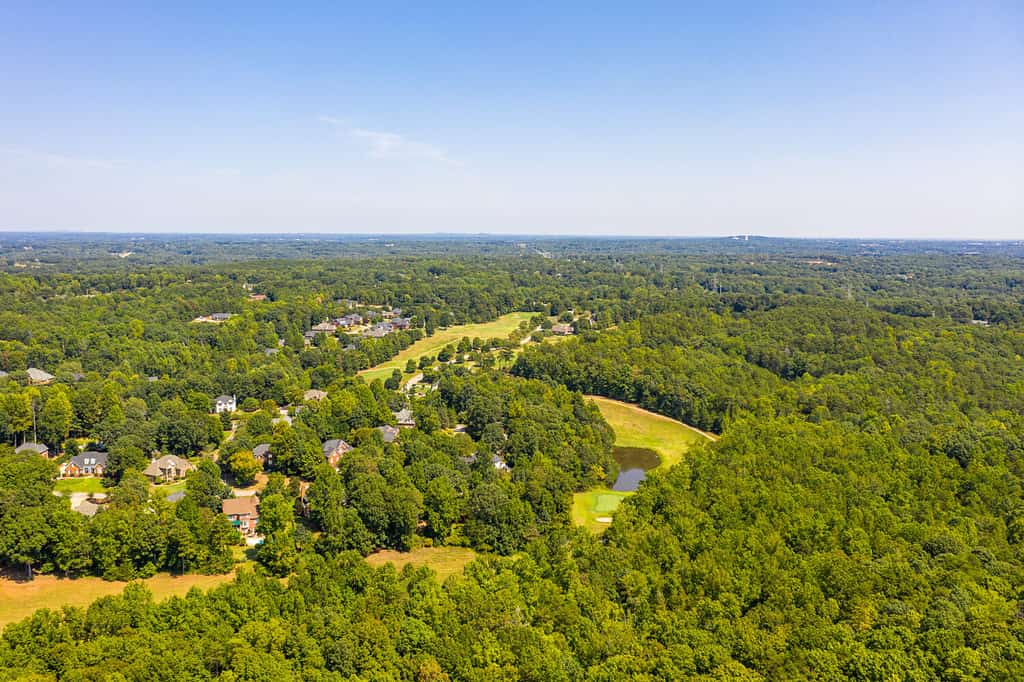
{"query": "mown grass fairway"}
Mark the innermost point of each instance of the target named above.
(635, 428)
(445, 561)
(20, 599)
(499, 328)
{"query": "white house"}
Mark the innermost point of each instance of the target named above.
(224, 403)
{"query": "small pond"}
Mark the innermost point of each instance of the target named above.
(634, 463)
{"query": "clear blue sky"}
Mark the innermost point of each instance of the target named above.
(810, 119)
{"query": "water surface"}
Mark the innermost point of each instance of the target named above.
(634, 463)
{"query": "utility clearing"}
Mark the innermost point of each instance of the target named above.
(634, 427)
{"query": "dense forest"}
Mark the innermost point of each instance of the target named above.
(860, 517)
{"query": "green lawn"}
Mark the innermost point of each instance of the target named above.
(445, 561)
(636, 428)
(591, 505)
(79, 485)
(165, 489)
(430, 345)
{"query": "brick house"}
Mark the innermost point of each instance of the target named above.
(334, 449)
(88, 463)
(243, 513)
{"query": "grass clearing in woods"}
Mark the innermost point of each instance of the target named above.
(634, 427)
(19, 600)
(431, 345)
(445, 561)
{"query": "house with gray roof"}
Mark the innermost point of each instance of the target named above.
(333, 450)
(37, 377)
(262, 454)
(36, 448)
(88, 463)
(224, 403)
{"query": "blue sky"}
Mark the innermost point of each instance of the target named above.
(807, 119)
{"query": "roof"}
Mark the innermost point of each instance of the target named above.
(335, 444)
(36, 374)
(89, 458)
(37, 448)
(388, 433)
(404, 416)
(261, 450)
(87, 508)
(237, 506)
(314, 394)
(161, 464)
(225, 398)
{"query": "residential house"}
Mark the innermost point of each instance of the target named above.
(262, 454)
(88, 463)
(404, 418)
(35, 448)
(243, 513)
(354, 319)
(314, 394)
(562, 329)
(401, 323)
(167, 468)
(379, 330)
(334, 449)
(388, 433)
(224, 403)
(499, 463)
(325, 328)
(220, 317)
(37, 377)
(257, 297)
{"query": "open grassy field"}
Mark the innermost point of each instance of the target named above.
(79, 485)
(636, 428)
(499, 328)
(20, 599)
(445, 561)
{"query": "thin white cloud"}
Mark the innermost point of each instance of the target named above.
(58, 160)
(387, 145)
